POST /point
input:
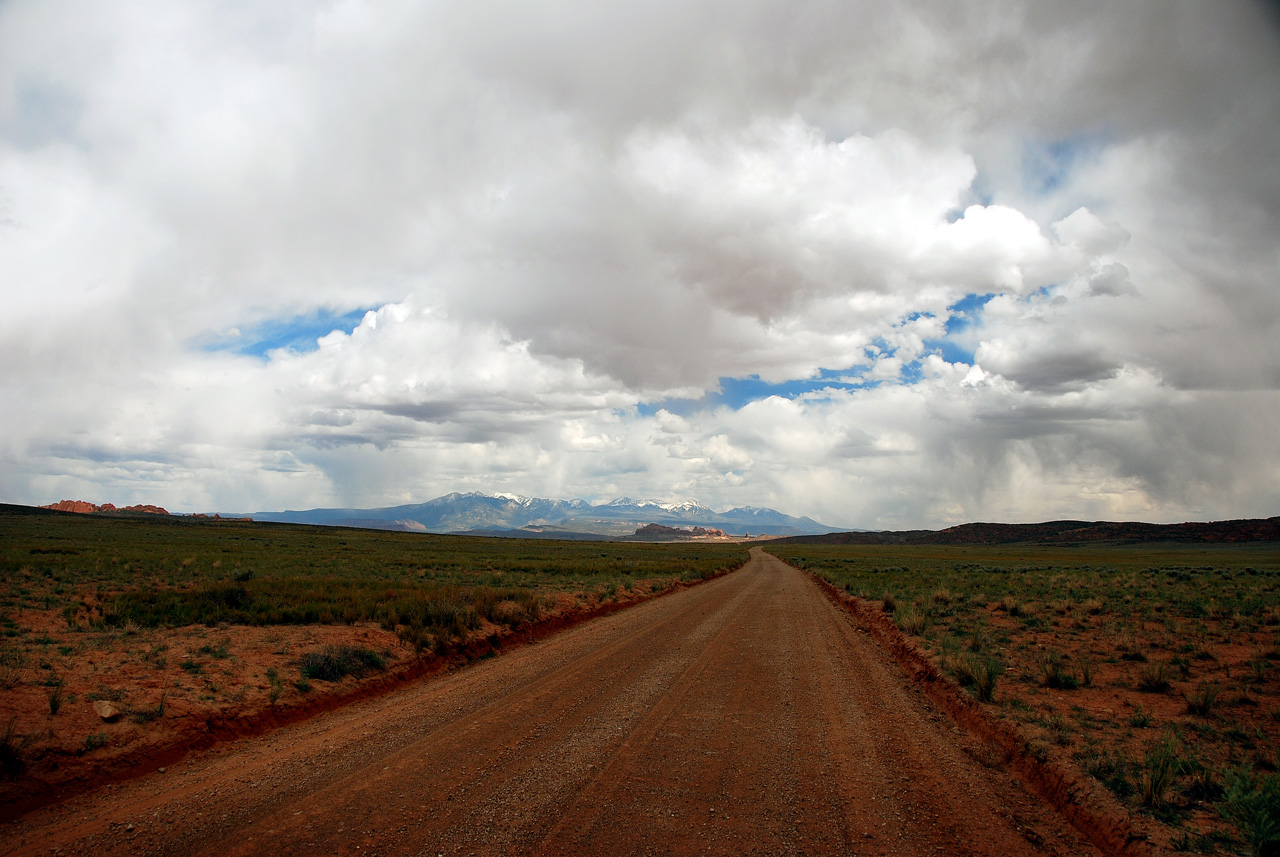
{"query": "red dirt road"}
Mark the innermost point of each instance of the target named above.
(743, 716)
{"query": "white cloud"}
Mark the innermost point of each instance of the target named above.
(567, 214)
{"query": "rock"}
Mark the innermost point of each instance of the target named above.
(78, 506)
(85, 508)
(106, 710)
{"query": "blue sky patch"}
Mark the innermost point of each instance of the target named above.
(964, 313)
(949, 351)
(298, 333)
(736, 393)
(966, 310)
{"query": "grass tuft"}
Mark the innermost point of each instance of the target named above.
(1152, 678)
(336, 662)
(277, 686)
(911, 620)
(1055, 673)
(1159, 770)
(1202, 702)
(1252, 803)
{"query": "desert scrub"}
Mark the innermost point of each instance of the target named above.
(220, 651)
(911, 620)
(974, 671)
(12, 664)
(1252, 803)
(1111, 768)
(152, 553)
(1203, 701)
(322, 601)
(1055, 673)
(335, 662)
(1160, 769)
(276, 685)
(1153, 677)
(1086, 671)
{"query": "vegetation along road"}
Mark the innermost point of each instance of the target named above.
(746, 715)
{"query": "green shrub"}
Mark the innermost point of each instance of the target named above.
(220, 651)
(1252, 803)
(277, 686)
(1139, 719)
(336, 662)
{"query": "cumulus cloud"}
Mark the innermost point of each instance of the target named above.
(1022, 260)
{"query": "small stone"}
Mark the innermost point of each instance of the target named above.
(106, 710)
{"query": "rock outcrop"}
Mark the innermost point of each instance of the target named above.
(83, 507)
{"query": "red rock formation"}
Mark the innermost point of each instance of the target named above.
(147, 508)
(83, 507)
(78, 506)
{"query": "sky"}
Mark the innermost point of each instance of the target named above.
(889, 265)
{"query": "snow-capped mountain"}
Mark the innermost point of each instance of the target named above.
(456, 513)
(689, 507)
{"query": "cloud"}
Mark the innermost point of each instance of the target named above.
(890, 266)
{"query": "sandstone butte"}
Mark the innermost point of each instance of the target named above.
(83, 507)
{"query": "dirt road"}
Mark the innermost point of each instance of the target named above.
(743, 716)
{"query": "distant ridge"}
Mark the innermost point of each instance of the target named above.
(1064, 533)
(534, 517)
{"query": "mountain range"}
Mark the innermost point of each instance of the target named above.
(512, 515)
